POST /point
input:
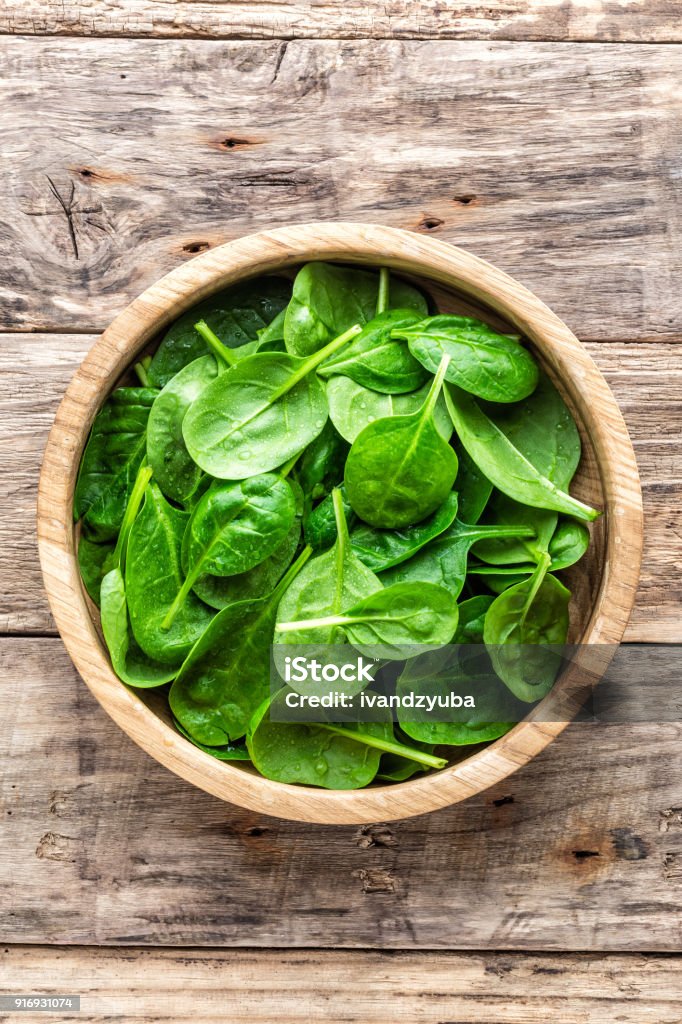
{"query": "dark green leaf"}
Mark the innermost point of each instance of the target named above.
(353, 407)
(332, 581)
(235, 314)
(111, 459)
(320, 467)
(329, 299)
(473, 488)
(442, 674)
(175, 471)
(227, 674)
(219, 591)
(92, 560)
(491, 365)
(381, 549)
(378, 361)
(153, 580)
(443, 561)
(395, 619)
(524, 615)
(258, 414)
(129, 662)
(387, 480)
(505, 465)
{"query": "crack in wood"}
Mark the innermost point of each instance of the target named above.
(67, 207)
(281, 53)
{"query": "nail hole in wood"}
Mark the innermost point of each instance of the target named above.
(465, 200)
(429, 224)
(195, 247)
(585, 854)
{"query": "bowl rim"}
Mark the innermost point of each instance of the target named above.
(266, 252)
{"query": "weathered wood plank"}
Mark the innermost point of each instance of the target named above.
(625, 20)
(560, 163)
(100, 845)
(246, 987)
(646, 379)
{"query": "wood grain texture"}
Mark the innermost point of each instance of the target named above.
(247, 987)
(101, 845)
(559, 163)
(607, 479)
(624, 20)
(646, 380)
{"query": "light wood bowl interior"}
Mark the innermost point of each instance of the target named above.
(603, 584)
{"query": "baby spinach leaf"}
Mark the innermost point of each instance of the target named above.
(111, 459)
(566, 542)
(505, 465)
(569, 543)
(92, 559)
(228, 752)
(395, 619)
(219, 591)
(567, 546)
(398, 768)
(491, 365)
(320, 467)
(381, 549)
(495, 712)
(387, 482)
(378, 360)
(543, 429)
(226, 676)
(472, 614)
(319, 526)
(473, 488)
(153, 578)
(175, 471)
(234, 527)
(387, 743)
(130, 663)
(333, 757)
(271, 338)
(352, 407)
(96, 560)
(310, 754)
(511, 550)
(332, 581)
(258, 414)
(235, 314)
(443, 561)
(328, 299)
(534, 612)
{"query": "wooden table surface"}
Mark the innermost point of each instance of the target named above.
(543, 136)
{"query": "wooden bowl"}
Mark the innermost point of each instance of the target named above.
(603, 586)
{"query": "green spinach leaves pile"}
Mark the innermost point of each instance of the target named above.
(324, 462)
